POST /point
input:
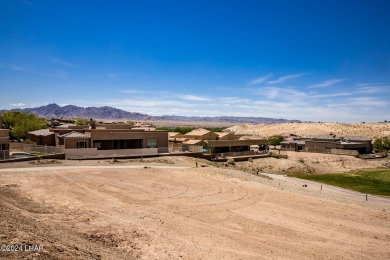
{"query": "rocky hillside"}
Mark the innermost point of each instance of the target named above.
(371, 130)
(231, 119)
(71, 111)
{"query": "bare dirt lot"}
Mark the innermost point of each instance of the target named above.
(128, 211)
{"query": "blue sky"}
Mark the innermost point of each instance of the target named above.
(308, 60)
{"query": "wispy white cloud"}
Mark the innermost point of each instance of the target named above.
(342, 94)
(272, 93)
(326, 83)
(113, 76)
(12, 67)
(259, 80)
(369, 84)
(62, 62)
(285, 78)
(141, 103)
(373, 88)
(193, 98)
(233, 100)
(356, 105)
(282, 93)
(367, 102)
(20, 104)
(133, 91)
(55, 74)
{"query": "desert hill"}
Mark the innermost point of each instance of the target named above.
(111, 113)
(372, 130)
(71, 111)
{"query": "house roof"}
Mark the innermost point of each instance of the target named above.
(356, 138)
(293, 142)
(222, 134)
(343, 142)
(326, 137)
(251, 137)
(227, 143)
(177, 139)
(41, 132)
(192, 142)
(146, 128)
(64, 126)
(74, 134)
(172, 134)
(198, 132)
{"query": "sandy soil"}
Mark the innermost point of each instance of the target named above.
(372, 130)
(314, 163)
(173, 213)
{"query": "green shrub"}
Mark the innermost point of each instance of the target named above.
(82, 121)
(382, 144)
(183, 129)
(275, 140)
(21, 123)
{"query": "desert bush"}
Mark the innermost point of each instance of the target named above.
(275, 140)
(183, 129)
(82, 121)
(382, 144)
(164, 128)
(216, 129)
(278, 156)
(231, 161)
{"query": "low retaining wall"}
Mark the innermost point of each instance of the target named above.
(241, 158)
(95, 153)
(344, 152)
(58, 156)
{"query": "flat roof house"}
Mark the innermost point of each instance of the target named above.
(4, 139)
(42, 137)
(237, 145)
(110, 139)
(4, 142)
(201, 134)
(350, 145)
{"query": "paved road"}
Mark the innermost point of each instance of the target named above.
(334, 189)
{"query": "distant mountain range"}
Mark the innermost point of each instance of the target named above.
(110, 113)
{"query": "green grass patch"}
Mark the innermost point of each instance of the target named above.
(376, 181)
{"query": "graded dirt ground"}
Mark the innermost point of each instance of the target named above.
(371, 130)
(127, 211)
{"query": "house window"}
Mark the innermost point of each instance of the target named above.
(98, 145)
(151, 143)
(82, 144)
(119, 144)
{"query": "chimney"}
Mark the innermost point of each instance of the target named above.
(92, 124)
